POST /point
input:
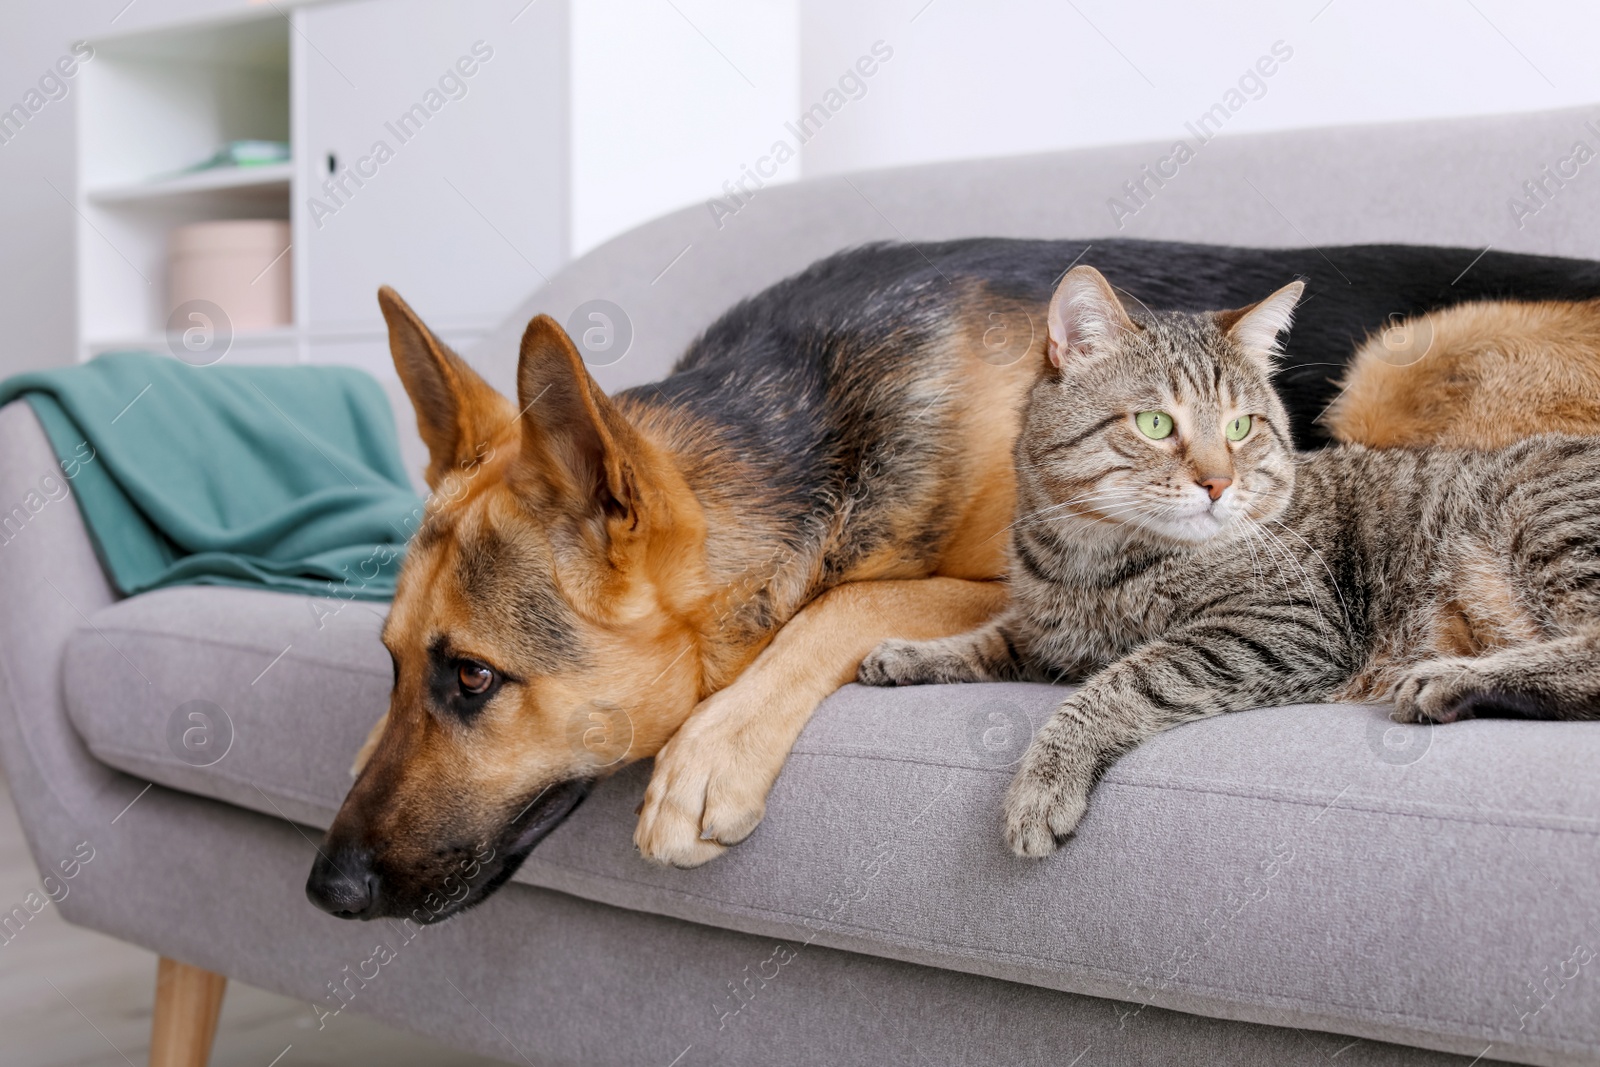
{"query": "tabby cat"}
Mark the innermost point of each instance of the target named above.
(1173, 549)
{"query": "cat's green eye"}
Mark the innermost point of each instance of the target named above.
(1154, 424)
(1239, 428)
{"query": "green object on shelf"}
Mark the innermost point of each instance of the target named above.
(285, 478)
(244, 154)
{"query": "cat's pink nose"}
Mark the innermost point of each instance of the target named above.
(1215, 485)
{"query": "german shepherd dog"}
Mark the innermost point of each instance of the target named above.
(685, 570)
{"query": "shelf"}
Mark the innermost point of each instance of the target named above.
(262, 177)
(271, 337)
(156, 100)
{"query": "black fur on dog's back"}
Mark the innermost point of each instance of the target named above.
(788, 340)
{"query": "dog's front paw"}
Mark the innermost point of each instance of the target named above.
(708, 791)
(1044, 805)
(1435, 691)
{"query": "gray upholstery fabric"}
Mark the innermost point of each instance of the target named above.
(536, 977)
(1440, 182)
(1428, 901)
(1216, 861)
(300, 680)
(50, 582)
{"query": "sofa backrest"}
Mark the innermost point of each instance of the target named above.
(1449, 182)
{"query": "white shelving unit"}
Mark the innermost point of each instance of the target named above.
(265, 177)
(153, 104)
(470, 210)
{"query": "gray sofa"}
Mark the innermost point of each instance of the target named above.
(1283, 886)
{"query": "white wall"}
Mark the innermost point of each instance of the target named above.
(1008, 76)
(36, 224)
(671, 100)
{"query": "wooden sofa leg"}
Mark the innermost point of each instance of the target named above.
(188, 1001)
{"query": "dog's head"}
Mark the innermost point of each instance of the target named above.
(541, 631)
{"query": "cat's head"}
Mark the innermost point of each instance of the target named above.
(1166, 429)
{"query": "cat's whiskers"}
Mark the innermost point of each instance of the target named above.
(1328, 640)
(1068, 503)
(1099, 494)
(1143, 520)
(1140, 523)
(1264, 567)
(1257, 578)
(1344, 609)
(1008, 527)
(1111, 510)
(1107, 500)
(1273, 566)
(1254, 497)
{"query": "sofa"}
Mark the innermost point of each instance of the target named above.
(1305, 885)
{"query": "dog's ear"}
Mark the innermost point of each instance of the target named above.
(458, 413)
(578, 451)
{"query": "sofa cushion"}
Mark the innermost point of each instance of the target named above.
(1314, 866)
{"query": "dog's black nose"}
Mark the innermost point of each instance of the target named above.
(343, 883)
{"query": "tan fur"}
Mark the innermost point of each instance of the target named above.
(1479, 375)
(985, 494)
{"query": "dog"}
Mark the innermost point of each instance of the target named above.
(1479, 375)
(685, 570)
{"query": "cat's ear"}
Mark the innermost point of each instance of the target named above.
(1084, 315)
(1256, 328)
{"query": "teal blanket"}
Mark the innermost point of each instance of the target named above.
(282, 478)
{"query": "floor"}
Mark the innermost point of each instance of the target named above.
(70, 997)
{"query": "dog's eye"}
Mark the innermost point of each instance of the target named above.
(475, 677)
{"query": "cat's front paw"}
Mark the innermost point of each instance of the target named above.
(1044, 805)
(896, 662)
(1436, 691)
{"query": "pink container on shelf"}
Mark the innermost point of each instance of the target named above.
(237, 264)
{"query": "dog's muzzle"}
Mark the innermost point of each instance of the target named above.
(345, 884)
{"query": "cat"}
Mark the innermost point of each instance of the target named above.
(1176, 554)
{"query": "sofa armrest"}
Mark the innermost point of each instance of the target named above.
(51, 583)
